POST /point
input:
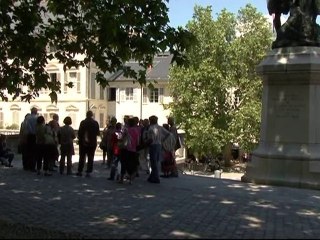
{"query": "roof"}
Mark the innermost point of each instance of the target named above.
(159, 70)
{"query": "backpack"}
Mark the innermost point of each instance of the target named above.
(169, 142)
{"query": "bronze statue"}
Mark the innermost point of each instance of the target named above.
(301, 28)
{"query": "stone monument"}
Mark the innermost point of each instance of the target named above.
(289, 148)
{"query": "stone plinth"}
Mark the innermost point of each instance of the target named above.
(289, 149)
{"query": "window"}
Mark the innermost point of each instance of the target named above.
(53, 77)
(112, 92)
(15, 118)
(15, 109)
(156, 95)
(74, 78)
(129, 94)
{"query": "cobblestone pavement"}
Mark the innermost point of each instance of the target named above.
(190, 206)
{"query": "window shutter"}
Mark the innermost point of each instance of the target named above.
(122, 95)
(117, 95)
(65, 88)
(135, 95)
(145, 95)
(161, 95)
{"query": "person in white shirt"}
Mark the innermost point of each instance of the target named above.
(155, 136)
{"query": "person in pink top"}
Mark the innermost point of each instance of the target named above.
(131, 156)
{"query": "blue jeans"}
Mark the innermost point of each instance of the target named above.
(155, 153)
(114, 167)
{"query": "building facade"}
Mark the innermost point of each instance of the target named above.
(122, 97)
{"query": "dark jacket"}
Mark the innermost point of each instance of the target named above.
(88, 132)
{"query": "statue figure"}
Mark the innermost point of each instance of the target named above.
(301, 28)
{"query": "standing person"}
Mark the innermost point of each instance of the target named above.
(138, 127)
(87, 135)
(167, 164)
(23, 135)
(122, 143)
(155, 136)
(116, 151)
(54, 124)
(66, 137)
(144, 152)
(44, 146)
(110, 131)
(131, 156)
(30, 131)
(174, 131)
(103, 143)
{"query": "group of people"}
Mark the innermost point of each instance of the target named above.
(135, 145)
(42, 143)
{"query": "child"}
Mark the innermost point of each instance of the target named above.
(116, 152)
(6, 155)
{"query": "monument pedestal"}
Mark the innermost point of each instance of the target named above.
(288, 153)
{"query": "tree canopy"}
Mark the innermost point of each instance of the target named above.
(107, 32)
(217, 98)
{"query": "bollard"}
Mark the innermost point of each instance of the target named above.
(217, 173)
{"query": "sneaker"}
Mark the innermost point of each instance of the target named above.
(79, 174)
(47, 174)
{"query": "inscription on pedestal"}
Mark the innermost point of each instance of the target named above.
(288, 106)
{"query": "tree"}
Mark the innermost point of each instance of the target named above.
(217, 98)
(109, 33)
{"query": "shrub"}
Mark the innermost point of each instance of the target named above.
(13, 126)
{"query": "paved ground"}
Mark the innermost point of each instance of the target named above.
(190, 206)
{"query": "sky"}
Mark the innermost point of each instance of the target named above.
(181, 11)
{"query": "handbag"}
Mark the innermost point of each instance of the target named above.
(124, 141)
(48, 139)
(102, 145)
